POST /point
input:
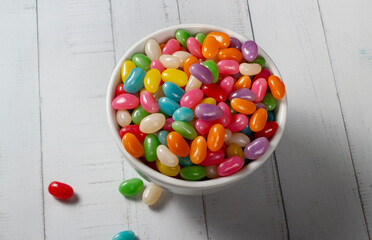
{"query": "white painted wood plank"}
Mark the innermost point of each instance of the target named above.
(21, 198)
(315, 168)
(348, 34)
(252, 209)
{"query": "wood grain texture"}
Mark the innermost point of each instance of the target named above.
(20, 152)
(315, 167)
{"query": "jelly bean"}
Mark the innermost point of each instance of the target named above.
(168, 124)
(194, 47)
(169, 61)
(269, 101)
(165, 156)
(228, 67)
(250, 51)
(126, 69)
(202, 73)
(258, 120)
(60, 190)
(187, 64)
(238, 122)
(125, 235)
(226, 114)
(119, 90)
(193, 83)
(152, 49)
(142, 61)
(228, 134)
(227, 84)
(168, 171)
(152, 80)
(230, 166)
(243, 82)
(208, 112)
(182, 36)
(211, 171)
(193, 173)
(198, 150)
(247, 131)
(259, 89)
(212, 66)
(202, 127)
(208, 100)
(135, 80)
(151, 194)
(171, 46)
(222, 38)
(162, 136)
(152, 123)
(177, 144)
(183, 114)
(191, 98)
(238, 138)
(215, 91)
(162, 45)
(261, 105)
(138, 114)
(268, 131)
(200, 37)
(156, 64)
(256, 148)
(237, 75)
(185, 161)
(216, 137)
(168, 105)
(230, 54)
(249, 68)
(243, 93)
(231, 109)
(265, 73)
(213, 158)
(270, 116)
(276, 86)
(260, 60)
(132, 145)
(235, 150)
(243, 106)
(182, 56)
(131, 187)
(172, 91)
(235, 43)
(125, 101)
(210, 47)
(134, 129)
(185, 129)
(123, 117)
(150, 145)
(148, 102)
(176, 76)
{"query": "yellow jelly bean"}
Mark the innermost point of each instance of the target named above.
(234, 150)
(175, 76)
(208, 100)
(152, 80)
(126, 68)
(169, 171)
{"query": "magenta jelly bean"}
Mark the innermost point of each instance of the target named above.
(227, 84)
(168, 124)
(249, 50)
(261, 105)
(171, 46)
(156, 64)
(191, 98)
(228, 67)
(208, 112)
(201, 73)
(125, 101)
(202, 127)
(148, 102)
(230, 166)
(238, 122)
(256, 148)
(194, 47)
(226, 115)
(235, 43)
(259, 89)
(213, 158)
(265, 73)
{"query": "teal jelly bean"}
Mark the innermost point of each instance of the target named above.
(193, 173)
(200, 37)
(125, 235)
(270, 116)
(183, 114)
(247, 131)
(182, 36)
(142, 61)
(138, 114)
(131, 187)
(185, 161)
(185, 129)
(269, 101)
(162, 137)
(260, 60)
(172, 91)
(134, 83)
(212, 66)
(150, 144)
(168, 105)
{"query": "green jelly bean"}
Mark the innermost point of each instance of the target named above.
(260, 60)
(142, 61)
(269, 101)
(185, 161)
(200, 37)
(212, 66)
(193, 173)
(182, 36)
(138, 114)
(150, 144)
(131, 187)
(185, 129)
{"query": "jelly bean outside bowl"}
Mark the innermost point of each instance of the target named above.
(180, 186)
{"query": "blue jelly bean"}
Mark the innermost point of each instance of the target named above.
(125, 235)
(183, 114)
(270, 116)
(247, 131)
(168, 106)
(134, 83)
(162, 136)
(172, 91)
(185, 161)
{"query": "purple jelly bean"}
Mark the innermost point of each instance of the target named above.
(243, 93)
(208, 112)
(261, 105)
(249, 50)
(256, 148)
(237, 75)
(235, 43)
(202, 73)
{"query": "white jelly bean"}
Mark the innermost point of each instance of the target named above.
(123, 117)
(152, 123)
(169, 61)
(238, 138)
(193, 83)
(228, 134)
(166, 157)
(151, 194)
(182, 56)
(250, 68)
(152, 49)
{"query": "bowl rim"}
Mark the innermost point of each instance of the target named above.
(282, 111)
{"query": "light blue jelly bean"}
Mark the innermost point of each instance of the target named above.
(125, 235)
(162, 136)
(185, 161)
(134, 82)
(247, 131)
(270, 116)
(172, 91)
(183, 114)
(168, 106)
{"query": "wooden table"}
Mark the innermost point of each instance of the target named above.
(56, 58)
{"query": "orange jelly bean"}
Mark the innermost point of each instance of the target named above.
(230, 54)
(187, 64)
(216, 137)
(276, 86)
(258, 120)
(210, 47)
(222, 38)
(182, 49)
(177, 144)
(162, 46)
(243, 106)
(132, 145)
(198, 150)
(243, 82)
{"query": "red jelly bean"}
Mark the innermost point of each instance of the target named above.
(215, 91)
(134, 129)
(265, 73)
(60, 190)
(119, 89)
(268, 131)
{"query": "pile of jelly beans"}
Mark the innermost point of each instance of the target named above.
(197, 107)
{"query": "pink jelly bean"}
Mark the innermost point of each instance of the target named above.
(171, 46)
(228, 67)
(238, 122)
(148, 102)
(125, 101)
(156, 64)
(230, 166)
(265, 73)
(213, 158)
(226, 116)
(227, 84)
(194, 47)
(202, 127)
(168, 124)
(191, 98)
(259, 89)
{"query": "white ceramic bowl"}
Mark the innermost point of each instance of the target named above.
(177, 185)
